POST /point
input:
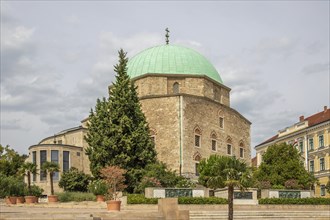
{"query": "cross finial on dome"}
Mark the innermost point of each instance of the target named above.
(167, 35)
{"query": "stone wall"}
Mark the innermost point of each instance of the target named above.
(162, 116)
(203, 114)
(173, 117)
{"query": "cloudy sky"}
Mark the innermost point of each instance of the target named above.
(57, 57)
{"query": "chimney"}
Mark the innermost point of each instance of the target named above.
(301, 118)
(325, 108)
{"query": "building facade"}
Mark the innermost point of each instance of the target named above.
(186, 105)
(311, 136)
(65, 148)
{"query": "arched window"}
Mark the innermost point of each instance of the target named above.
(197, 136)
(197, 158)
(229, 146)
(221, 119)
(241, 149)
(213, 141)
(176, 88)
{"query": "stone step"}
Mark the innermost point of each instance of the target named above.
(238, 215)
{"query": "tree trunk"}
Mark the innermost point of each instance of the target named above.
(29, 182)
(51, 183)
(230, 202)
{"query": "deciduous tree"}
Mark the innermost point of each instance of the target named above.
(282, 163)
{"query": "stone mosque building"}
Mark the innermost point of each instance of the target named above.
(186, 105)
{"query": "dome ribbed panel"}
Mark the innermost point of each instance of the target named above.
(171, 59)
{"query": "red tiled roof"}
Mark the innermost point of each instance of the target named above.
(318, 118)
(268, 140)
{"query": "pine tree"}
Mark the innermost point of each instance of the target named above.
(118, 131)
(98, 136)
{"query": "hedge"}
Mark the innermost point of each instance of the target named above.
(202, 200)
(75, 196)
(302, 201)
(141, 199)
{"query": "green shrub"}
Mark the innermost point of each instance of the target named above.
(98, 187)
(75, 196)
(11, 186)
(277, 187)
(140, 199)
(35, 191)
(302, 201)
(74, 180)
(202, 200)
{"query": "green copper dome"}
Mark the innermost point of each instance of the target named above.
(171, 59)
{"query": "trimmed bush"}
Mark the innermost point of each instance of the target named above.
(141, 199)
(303, 201)
(75, 197)
(36, 191)
(202, 200)
(74, 180)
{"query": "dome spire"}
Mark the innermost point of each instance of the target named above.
(167, 36)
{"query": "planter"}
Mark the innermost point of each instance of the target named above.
(52, 198)
(11, 200)
(113, 205)
(7, 200)
(30, 199)
(99, 198)
(20, 199)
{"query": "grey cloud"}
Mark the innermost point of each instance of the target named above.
(314, 47)
(268, 48)
(11, 124)
(265, 125)
(315, 68)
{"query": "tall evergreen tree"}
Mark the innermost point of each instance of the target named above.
(98, 136)
(118, 131)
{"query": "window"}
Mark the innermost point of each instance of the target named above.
(241, 152)
(59, 142)
(54, 158)
(196, 169)
(311, 144)
(321, 141)
(322, 164)
(214, 145)
(176, 88)
(197, 137)
(228, 149)
(34, 161)
(43, 159)
(311, 166)
(301, 146)
(221, 122)
(66, 160)
(197, 140)
(322, 190)
(78, 154)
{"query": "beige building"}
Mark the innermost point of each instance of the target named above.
(65, 148)
(311, 136)
(186, 105)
